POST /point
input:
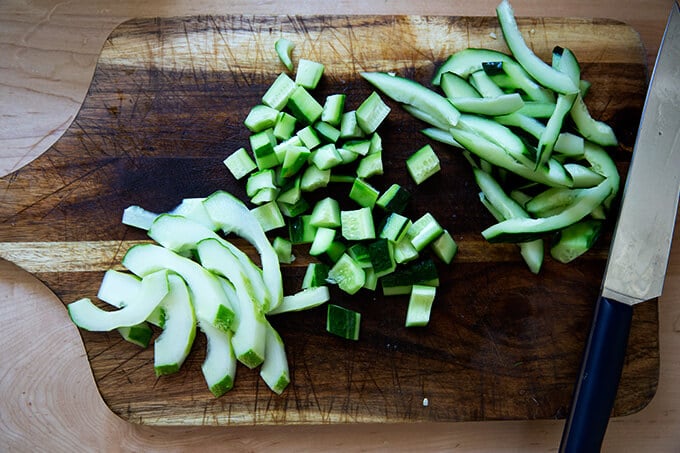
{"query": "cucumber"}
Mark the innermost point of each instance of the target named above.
(574, 240)
(304, 107)
(357, 225)
(347, 274)
(274, 371)
(326, 213)
(219, 366)
(394, 199)
(420, 305)
(239, 163)
(261, 117)
(343, 322)
(308, 73)
(278, 94)
(315, 276)
(333, 109)
(371, 113)
(304, 300)
(284, 48)
(284, 250)
(363, 193)
(423, 164)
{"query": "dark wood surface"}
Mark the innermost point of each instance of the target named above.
(166, 105)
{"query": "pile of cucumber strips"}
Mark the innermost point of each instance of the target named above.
(536, 153)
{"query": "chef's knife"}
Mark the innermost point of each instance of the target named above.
(639, 252)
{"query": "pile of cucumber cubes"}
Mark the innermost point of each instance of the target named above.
(300, 145)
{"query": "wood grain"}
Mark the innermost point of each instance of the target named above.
(166, 106)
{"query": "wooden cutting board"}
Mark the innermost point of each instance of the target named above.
(166, 106)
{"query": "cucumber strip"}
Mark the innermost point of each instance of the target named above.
(210, 302)
(304, 300)
(315, 276)
(583, 176)
(499, 105)
(138, 217)
(539, 70)
(601, 162)
(550, 175)
(343, 322)
(441, 136)
(420, 305)
(569, 144)
(371, 113)
(232, 216)
(363, 193)
(575, 240)
(407, 91)
(249, 332)
(517, 77)
(535, 109)
(88, 316)
(455, 86)
(326, 213)
(485, 85)
(370, 165)
(357, 225)
(522, 230)
(173, 345)
(274, 371)
(219, 366)
(180, 234)
(424, 116)
(280, 91)
(308, 73)
(284, 49)
(119, 288)
(333, 109)
(284, 250)
(347, 274)
(552, 129)
(239, 163)
(423, 164)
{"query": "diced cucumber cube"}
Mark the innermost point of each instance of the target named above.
(420, 305)
(264, 196)
(361, 147)
(293, 209)
(285, 126)
(371, 282)
(263, 179)
(371, 165)
(424, 230)
(269, 216)
(313, 179)
(262, 144)
(261, 117)
(347, 156)
(444, 247)
(347, 274)
(382, 257)
(239, 163)
(343, 322)
(295, 158)
(371, 113)
(309, 137)
(359, 253)
(301, 231)
(333, 108)
(376, 143)
(335, 250)
(322, 241)
(404, 251)
(363, 193)
(326, 156)
(284, 249)
(303, 106)
(280, 149)
(395, 227)
(308, 73)
(422, 164)
(357, 225)
(291, 193)
(328, 132)
(279, 92)
(326, 213)
(349, 128)
(394, 199)
(315, 275)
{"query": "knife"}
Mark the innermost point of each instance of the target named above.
(638, 257)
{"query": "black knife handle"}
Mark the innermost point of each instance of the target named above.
(598, 379)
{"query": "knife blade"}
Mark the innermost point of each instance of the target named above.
(639, 251)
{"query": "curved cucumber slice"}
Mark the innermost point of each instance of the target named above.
(284, 49)
(219, 366)
(210, 302)
(274, 371)
(231, 215)
(303, 300)
(249, 332)
(174, 343)
(88, 316)
(117, 288)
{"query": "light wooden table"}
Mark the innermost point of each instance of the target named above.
(48, 399)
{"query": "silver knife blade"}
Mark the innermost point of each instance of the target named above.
(638, 257)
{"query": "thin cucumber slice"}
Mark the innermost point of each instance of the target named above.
(232, 216)
(412, 93)
(539, 70)
(274, 371)
(343, 322)
(284, 49)
(249, 332)
(500, 105)
(138, 217)
(441, 136)
(173, 345)
(118, 289)
(88, 316)
(219, 366)
(304, 300)
(583, 176)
